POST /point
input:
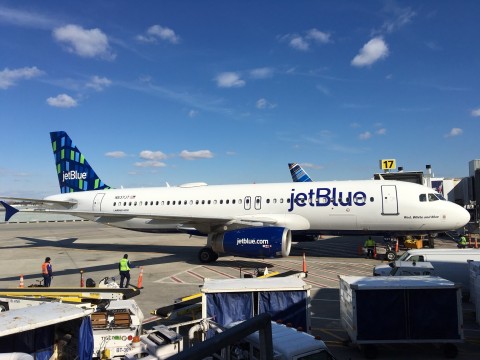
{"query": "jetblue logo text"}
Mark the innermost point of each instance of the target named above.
(74, 175)
(246, 241)
(326, 197)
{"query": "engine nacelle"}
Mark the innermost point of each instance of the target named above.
(262, 242)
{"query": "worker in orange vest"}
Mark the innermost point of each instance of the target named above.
(47, 272)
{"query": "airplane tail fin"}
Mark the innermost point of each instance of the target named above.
(74, 172)
(298, 174)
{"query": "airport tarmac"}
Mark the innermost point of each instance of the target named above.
(171, 270)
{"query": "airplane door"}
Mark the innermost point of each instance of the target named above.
(258, 202)
(247, 203)
(97, 202)
(389, 200)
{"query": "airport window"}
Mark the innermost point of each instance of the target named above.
(423, 197)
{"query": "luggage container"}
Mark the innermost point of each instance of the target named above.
(229, 300)
(404, 309)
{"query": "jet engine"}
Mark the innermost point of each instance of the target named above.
(260, 242)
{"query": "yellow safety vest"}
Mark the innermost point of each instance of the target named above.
(124, 265)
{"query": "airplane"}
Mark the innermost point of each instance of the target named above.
(248, 220)
(298, 174)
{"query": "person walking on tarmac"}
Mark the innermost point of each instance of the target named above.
(462, 243)
(124, 267)
(369, 245)
(47, 272)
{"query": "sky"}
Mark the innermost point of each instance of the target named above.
(156, 92)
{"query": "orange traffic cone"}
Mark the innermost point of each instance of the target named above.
(476, 243)
(304, 265)
(375, 252)
(21, 281)
(360, 250)
(140, 279)
(82, 284)
(396, 246)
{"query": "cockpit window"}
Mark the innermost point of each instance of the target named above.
(440, 196)
(432, 197)
(423, 197)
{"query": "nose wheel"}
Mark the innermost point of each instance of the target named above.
(207, 255)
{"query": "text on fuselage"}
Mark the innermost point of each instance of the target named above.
(326, 197)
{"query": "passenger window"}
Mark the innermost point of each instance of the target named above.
(371, 199)
(423, 197)
(184, 202)
(239, 201)
(233, 201)
(197, 202)
(203, 202)
(227, 201)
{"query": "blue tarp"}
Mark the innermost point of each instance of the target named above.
(85, 340)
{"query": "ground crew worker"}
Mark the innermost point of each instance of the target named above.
(369, 245)
(462, 243)
(47, 272)
(124, 267)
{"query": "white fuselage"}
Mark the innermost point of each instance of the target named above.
(367, 206)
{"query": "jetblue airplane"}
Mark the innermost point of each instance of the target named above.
(249, 220)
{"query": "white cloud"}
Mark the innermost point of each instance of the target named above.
(264, 104)
(381, 131)
(298, 43)
(193, 155)
(475, 112)
(365, 135)
(156, 32)
(261, 73)
(229, 79)
(192, 113)
(401, 17)
(303, 42)
(152, 155)
(115, 154)
(150, 163)
(9, 77)
(371, 52)
(85, 43)
(99, 83)
(318, 36)
(310, 166)
(25, 18)
(62, 101)
(454, 132)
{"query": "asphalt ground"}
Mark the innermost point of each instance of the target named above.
(171, 270)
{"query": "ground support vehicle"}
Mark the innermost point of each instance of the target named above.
(450, 264)
(403, 309)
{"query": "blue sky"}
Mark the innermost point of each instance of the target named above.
(231, 91)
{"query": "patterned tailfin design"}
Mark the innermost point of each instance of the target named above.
(74, 172)
(298, 174)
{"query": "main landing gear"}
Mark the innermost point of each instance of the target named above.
(207, 255)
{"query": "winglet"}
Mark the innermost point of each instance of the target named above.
(74, 172)
(298, 174)
(9, 210)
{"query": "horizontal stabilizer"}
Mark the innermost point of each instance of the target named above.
(9, 210)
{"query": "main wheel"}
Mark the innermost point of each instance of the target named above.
(207, 255)
(390, 255)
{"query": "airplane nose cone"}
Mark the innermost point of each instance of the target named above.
(462, 217)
